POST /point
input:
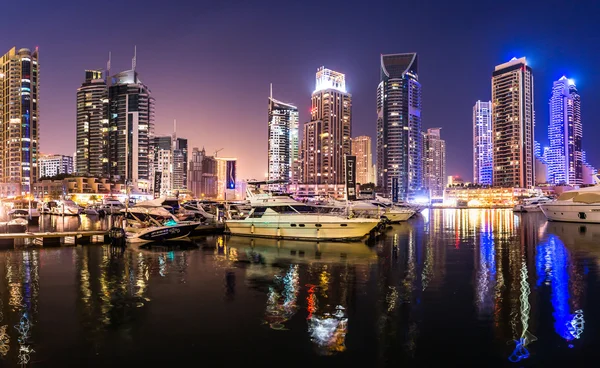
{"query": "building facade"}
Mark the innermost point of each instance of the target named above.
(19, 119)
(226, 177)
(434, 166)
(202, 175)
(52, 165)
(130, 129)
(482, 143)
(512, 125)
(361, 148)
(283, 141)
(169, 166)
(92, 125)
(331, 115)
(399, 138)
(565, 160)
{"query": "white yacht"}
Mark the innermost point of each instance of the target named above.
(65, 207)
(148, 221)
(284, 218)
(531, 204)
(580, 205)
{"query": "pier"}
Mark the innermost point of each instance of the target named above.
(55, 238)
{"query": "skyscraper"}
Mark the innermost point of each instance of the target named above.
(482, 143)
(92, 125)
(434, 168)
(226, 177)
(399, 138)
(565, 161)
(331, 121)
(19, 124)
(180, 156)
(130, 128)
(361, 148)
(283, 141)
(512, 125)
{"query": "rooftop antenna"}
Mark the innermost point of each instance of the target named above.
(134, 60)
(174, 129)
(271, 91)
(108, 65)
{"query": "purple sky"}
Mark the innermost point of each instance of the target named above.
(209, 64)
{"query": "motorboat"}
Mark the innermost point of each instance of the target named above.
(149, 221)
(22, 208)
(15, 226)
(377, 209)
(531, 204)
(579, 205)
(94, 211)
(204, 210)
(111, 206)
(65, 207)
(373, 208)
(288, 219)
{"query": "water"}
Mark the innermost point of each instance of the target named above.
(478, 288)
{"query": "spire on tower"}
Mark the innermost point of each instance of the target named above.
(108, 65)
(134, 60)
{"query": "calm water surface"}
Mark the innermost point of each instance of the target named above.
(478, 288)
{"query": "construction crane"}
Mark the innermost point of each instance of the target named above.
(217, 151)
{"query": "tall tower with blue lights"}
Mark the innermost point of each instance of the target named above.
(565, 158)
(482, 143)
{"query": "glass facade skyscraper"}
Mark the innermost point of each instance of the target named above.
(283, 141)
(434, 167)
(130, 129)
(19, 124)
(512, 125)
(565, 158)
(399, 137)
(482, 143)
(92, 125)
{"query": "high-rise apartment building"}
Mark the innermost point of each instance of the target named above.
(19, 119)
(52, 165)
(202, 175)
(130, 129)
(169, 166)
(512, 125)
(565, 161)
(283, 141)
(399, 138)
(482, 143)
(434, 166)
(92, 125)
(361, 148)
(329, 130)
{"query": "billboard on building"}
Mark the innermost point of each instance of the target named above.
(351, 177)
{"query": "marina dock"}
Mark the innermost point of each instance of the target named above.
(55, 238)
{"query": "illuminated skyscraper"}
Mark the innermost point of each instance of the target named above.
(19, 124)
(130, 129)
(434, 168)
(482, 143)
(226, 177)
(512, 125)
(361, 148)
(92, 125)
(565, 162)
(399, 137)
(331, 126)
(283, 141)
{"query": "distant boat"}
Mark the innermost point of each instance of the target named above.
(531, 204)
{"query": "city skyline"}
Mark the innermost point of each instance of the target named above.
(357, 57)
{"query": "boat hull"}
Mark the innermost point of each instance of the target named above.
(162, 233)
(396, 217)
(584, 213)
(525, 209)
(311, 230)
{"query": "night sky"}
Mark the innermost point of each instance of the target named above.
(209, 63)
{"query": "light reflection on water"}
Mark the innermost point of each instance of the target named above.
(511, 288)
